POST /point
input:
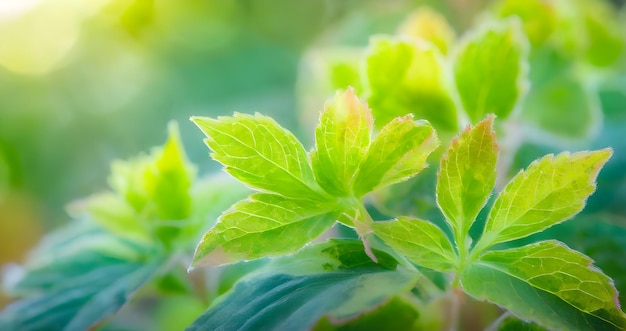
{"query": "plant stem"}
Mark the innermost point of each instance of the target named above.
(455, 308)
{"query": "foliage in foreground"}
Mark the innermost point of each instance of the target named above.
(261, 265)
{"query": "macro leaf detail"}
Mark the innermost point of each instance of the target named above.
(549, 283)
(467, 176)
(342, 139)
(398, 152)
(551, 190)
(261, 153)
(264, 224)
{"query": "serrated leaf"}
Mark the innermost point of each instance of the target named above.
(420, 241)
(79, 288)
(547, 283)
(490, 69)
(467, 176)
(398, 153)
(282, 300)
(259, 152)
(168, 180)
(551, 190)
(409, 76)
(263, 225)
(595, 236)
(341, 138)
(428, 24)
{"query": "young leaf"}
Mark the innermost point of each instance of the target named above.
(398, 152)
(408, 76)
(259, 152)
(548, 283)
(113, 213)
(550, 191)
(537, 16)
(420, 241)
(467, 176)
(263, 225)
(127, 179)
(342, 139)
(428, 24)
(344, 283)
(490, 70)
(169, 179)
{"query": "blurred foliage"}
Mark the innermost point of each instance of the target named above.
(83, 83)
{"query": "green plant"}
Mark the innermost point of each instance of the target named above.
(261, 264)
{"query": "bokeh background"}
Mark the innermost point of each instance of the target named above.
(85, 82)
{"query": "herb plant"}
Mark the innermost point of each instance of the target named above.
(376, 227)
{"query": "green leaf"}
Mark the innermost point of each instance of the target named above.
(490, 69)
(342, 139)
(549, 284)
(595, 236)
(263, 225)
(259, 152)
(537, 16)
(113, 213)
(169, 179)
(77, 284)
(127, 179)
(393, 314)
(398, 153)
(606, 40)
(428, 24)
(562, 106)
(282, 300)
(330, 256)
(420, 241)
(512, 323)
(550, 191)
(409, 76)
(467, 176)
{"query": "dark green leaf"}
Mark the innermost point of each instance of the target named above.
(294, 301)
(78, 290)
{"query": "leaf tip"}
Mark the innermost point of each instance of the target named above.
(215, 257)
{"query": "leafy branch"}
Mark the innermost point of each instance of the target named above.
(302, 195)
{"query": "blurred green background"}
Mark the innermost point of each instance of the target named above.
(86, 82)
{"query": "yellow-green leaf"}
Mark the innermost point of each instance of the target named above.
(168, 180)
(398, 152)
(548, 283)
(550, 191)
(409, 76)
(420, 241)
(467, 176)
(259, 152)
(490, 69)
(263, 225)
(342, 138)
(428, 24)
